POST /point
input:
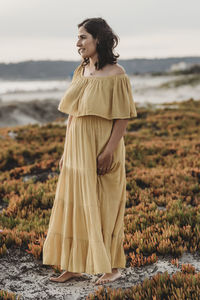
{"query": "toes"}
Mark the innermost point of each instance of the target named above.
(102, 281)
(52, 279)
(98, 282)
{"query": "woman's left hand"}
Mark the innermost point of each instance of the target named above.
(104, 162)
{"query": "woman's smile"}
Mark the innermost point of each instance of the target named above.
(86, 43)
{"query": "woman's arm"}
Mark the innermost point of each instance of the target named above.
(119, 129)
(104, 160)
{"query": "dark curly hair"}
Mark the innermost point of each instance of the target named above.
(107, 39)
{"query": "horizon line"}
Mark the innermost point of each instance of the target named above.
(77, 60)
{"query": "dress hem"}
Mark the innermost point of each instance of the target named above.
(83, 256)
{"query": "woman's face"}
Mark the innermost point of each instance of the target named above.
(86, 43)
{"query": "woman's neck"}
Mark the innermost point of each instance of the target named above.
(92, 61)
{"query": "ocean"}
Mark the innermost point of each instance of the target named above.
(147, 89)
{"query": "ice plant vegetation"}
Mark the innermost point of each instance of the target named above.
(162, 214)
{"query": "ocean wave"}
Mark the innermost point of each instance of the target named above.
(13, 87)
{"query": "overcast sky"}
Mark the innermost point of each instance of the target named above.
(47, 29)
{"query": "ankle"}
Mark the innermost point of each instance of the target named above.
(114, 270)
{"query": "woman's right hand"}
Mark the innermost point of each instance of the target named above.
(61, 163)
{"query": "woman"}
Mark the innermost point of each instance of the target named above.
(86, 228)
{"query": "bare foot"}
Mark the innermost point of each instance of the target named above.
(65, 276)
(109, 277)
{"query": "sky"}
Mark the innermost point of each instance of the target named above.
(47, 29)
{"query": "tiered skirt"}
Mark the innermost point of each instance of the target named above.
(86, 227)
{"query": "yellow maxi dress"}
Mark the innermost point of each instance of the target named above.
(86, 227)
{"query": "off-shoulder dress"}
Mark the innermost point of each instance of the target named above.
(86, 227)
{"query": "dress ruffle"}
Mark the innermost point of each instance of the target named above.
(109, 97)
(83, 256)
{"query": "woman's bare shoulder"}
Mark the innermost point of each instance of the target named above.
(116, 69)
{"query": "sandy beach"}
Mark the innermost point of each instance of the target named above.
(26, 276)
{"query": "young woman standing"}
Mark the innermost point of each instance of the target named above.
(86, 228)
